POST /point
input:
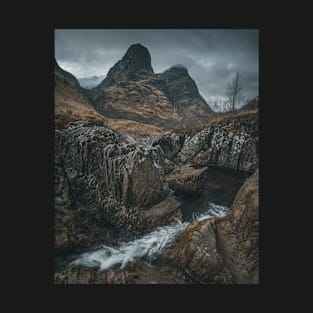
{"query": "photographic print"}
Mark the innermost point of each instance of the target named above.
(156, 156)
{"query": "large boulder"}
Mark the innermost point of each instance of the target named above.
(103, 181)
(223, 250)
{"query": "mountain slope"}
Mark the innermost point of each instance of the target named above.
(133, 91)
(182, 90)
(252, 104)
(90, 82)
(71, 105)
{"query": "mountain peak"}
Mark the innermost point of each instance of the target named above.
(137, 58)
(137, 47)
(178, 68)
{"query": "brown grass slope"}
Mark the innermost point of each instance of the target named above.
(72, 106)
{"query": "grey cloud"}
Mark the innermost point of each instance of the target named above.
(212, 56)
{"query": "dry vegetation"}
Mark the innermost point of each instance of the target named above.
(71, 108)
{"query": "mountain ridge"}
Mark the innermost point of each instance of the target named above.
(131, 90)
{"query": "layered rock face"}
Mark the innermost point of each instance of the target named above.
(223, 250)
(133, 91)
(229, 143)
(120, 183)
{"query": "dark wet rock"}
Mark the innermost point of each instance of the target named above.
(134, 273)
(101, 183)
(186, 178)
(85, 275)
(171, 144)
(231, 143)
(164, 213)
(238, 233)
(223, 250)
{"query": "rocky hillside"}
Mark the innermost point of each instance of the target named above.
(133, 91)
(71, 105)
(223, 250)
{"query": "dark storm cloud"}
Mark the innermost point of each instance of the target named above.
(212, 56)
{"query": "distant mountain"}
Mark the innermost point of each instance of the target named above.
(90, 82)
(182, 90)
(132, 90)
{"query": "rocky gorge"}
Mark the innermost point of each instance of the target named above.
(163, 207)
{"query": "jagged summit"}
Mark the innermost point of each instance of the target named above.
(137, 58)
(134, 65)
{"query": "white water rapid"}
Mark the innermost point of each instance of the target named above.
(148, 247)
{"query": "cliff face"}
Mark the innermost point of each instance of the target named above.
(231, 143)
(223, 250)
(120, 183)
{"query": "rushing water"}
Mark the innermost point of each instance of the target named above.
(147, 247)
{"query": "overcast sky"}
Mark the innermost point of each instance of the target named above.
(212, 56)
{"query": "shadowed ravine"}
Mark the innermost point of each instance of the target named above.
(148, 247)
(218, 186)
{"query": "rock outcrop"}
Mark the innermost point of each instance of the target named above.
(223, 250)
(85, 275)
(137, 272)
(186, 178)
(121, 183)
(230, 143)
(170, 144)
